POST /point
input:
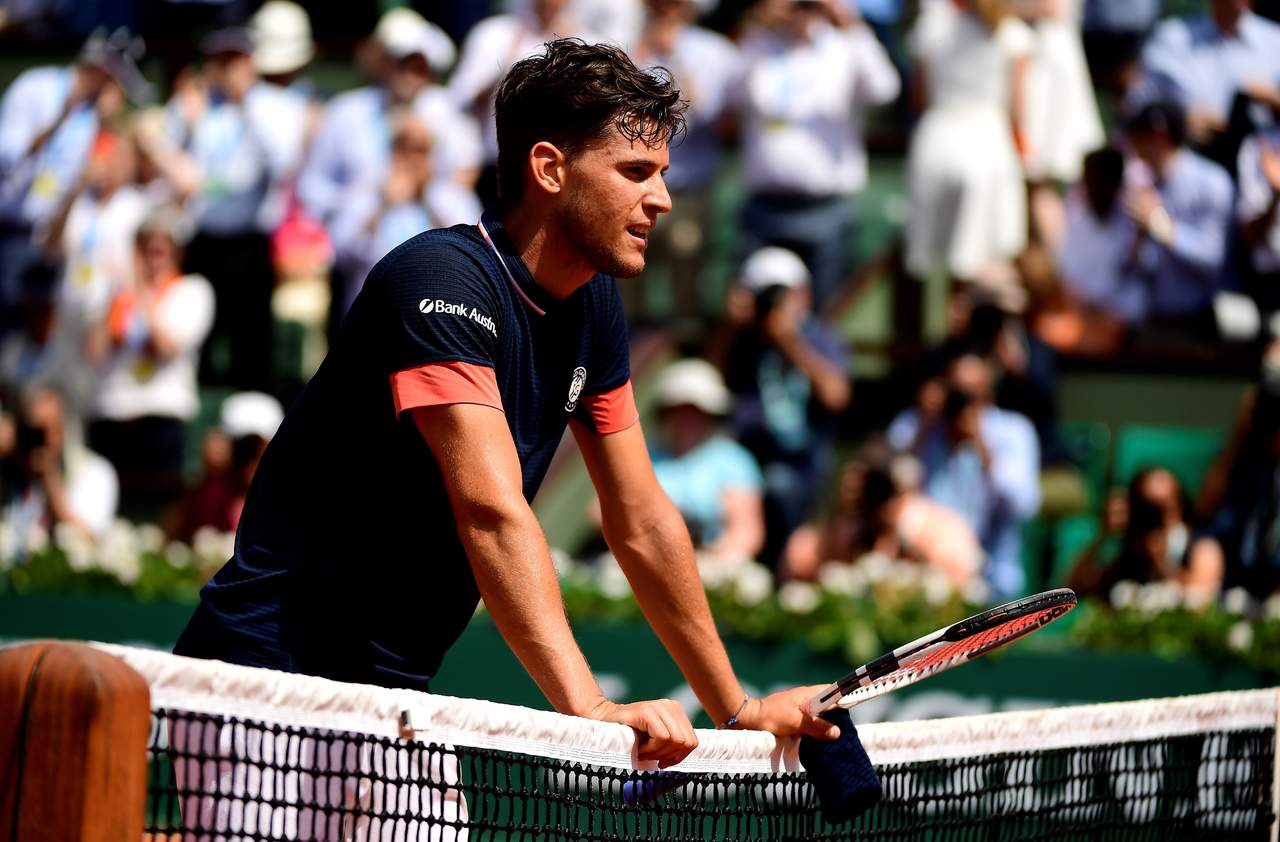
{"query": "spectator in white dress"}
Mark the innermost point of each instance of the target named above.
(1060, 119)
(809, 68)
(146, 352)
(968, 213)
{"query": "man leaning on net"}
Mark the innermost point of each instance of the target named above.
(396, 492)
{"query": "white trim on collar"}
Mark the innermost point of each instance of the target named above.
(510, 277)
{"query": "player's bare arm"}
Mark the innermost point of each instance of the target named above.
(649, 538)
(513, 569)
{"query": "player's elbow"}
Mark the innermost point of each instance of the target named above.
(483, 518)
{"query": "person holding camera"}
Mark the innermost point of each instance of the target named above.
(979, 460)
(789, 377)
(50, 479)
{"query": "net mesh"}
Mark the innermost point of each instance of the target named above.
(240, 754)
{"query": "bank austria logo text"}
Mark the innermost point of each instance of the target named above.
(429, 306)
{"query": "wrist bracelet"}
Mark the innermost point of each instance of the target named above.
(733, 720)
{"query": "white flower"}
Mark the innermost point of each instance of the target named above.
(905, 574)
(715, 572)
(1124, 594)
(8, 544)
(798, 598)
(212, 545)
(937, 588)
(842, 579)
(1240, 637)
(752, 584)
(76, 545)
(1236, 601)
(178, 555)
(610, 578)
(37, 539)
(876, 566)
(563, 562)
(976, 592)
(1158, 597)
(1271, 608)
(150, 538)
(1198, 598)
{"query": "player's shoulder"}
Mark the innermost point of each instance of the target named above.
(453, 259)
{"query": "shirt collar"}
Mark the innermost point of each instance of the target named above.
(537, 299)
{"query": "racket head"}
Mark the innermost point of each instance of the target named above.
(957, 644)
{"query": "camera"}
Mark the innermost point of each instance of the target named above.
(30, 438)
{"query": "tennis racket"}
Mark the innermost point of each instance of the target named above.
(946, 648)
(921, 658)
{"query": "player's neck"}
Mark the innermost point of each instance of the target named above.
(554, 263)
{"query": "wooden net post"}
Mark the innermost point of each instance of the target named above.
(74, 723)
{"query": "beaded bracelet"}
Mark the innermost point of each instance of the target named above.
(733, 720)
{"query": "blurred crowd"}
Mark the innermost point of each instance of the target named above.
(1088, 180)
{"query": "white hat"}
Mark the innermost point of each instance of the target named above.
(403, 32)
(696, 383)
(251, 413)
(773, 266)
(281, 37)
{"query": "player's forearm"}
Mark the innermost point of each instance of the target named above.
(657, 557)
(517, 580)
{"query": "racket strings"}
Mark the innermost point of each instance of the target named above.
(942, 656)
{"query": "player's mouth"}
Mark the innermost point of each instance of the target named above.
(640, 234)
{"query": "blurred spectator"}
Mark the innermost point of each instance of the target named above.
(92, 234)
(705, 67)
(353, 142)
(1060, 121)
(1240, 496)
(980, 461)
(1218, 67)
(802, 150)
(241, 137)
(282, 46)
(492, 46)
(788, 374)
(49, 119)
(1113, 34)
(1157, 543)
(1183, 215)
(711, 479)
(1256, 211)
(49, 478)
(146, 352)
(229, 457)
(1100, 294)
(36, 353)
(968, 210)
(351, 155)
(410, 201)
(880, 509)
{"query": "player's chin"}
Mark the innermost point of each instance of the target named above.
(628, 263)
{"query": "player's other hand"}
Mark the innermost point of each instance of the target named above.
(786, 714)
(663, 730)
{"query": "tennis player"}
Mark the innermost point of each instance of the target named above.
(396, 493)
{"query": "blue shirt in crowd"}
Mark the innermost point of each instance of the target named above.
(697, 481)
(995, 502)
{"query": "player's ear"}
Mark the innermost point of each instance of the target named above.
(547, 166)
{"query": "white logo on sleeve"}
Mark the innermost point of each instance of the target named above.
(575, 388)
(427, 306)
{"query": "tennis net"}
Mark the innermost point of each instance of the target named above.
(250, 754)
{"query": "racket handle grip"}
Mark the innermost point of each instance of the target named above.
(649, 787)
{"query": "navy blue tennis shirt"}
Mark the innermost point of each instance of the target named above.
(347, 561)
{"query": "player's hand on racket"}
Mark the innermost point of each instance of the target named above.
(664, 732)
(786, 714)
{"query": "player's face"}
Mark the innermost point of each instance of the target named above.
(614, 194)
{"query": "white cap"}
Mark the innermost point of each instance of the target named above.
(403, 32)
(773, 266)
(696, 383)
(251, 413)
(281, 37)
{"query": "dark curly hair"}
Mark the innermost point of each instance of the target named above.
(571, 95)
